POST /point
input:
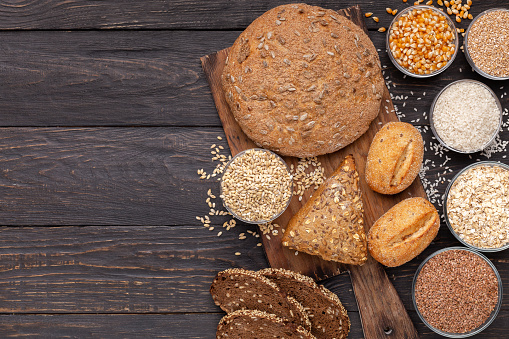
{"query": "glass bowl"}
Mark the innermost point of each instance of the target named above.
(467, 54)
(275, 215)
(432, 124)
(402, 68)
(488, 321)
(446, 196)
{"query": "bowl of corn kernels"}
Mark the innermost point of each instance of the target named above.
(422, 41)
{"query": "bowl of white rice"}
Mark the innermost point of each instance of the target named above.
(466, 116)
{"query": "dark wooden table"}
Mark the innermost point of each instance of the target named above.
(105, 117)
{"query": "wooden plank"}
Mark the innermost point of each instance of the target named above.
(97, 269)
(173, 326)
(105, 78)
(130, 176)
(369, 280)
(158, 14)
(152, 78)
(151, 269)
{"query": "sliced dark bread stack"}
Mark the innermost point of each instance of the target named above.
(328, 316)
(257, 324)
(239, 289)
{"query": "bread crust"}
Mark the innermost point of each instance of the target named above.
(246, 284)
(303, 81)
(403, 232)
(232, 321)
(324, 307)
(331, 223)
(394, 158)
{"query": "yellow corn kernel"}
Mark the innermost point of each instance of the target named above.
(458, 19)
(381, 29)
(446, 3)
(461, 14)
(470, 16)
(404, 0)
(440, 2)
(469, 2)
(449, 11)
(375, 19)
(394, 11)
(368, 14)
(416, 3)
(429, 3)
(465, 15)
(388, 10)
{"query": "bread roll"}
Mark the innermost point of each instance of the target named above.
(303, 81)
(403, 232)
(394, 158)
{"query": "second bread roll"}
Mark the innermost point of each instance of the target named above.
(403, 232)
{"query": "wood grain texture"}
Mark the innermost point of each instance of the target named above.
(151, 269)
(146, 78)
(172, 326)
(136, 64)
(132, 176)
(161, 14)
(379, 313)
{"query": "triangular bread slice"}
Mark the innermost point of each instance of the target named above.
(331, 223)
(252, 324)
(328, 317)
(238, 289)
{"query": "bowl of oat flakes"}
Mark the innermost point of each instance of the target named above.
(257, 186)
(476, 206)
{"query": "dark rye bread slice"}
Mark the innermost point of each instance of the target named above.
(252, 324)
(329, 319)
(238, 289)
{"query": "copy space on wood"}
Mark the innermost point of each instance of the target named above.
(380, 307)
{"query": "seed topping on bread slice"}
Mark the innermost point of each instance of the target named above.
(253, 324)
(328, 317)
(239, 289)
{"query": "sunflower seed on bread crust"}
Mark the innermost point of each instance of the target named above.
(327, 53)
(253, 324)
(328, 317)
(236, 289)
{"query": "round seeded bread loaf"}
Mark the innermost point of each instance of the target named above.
(303, 81)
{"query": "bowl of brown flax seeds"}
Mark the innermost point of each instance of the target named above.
(457, 292)
(474, 206)
(486, 44)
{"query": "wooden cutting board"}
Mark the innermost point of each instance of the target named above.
(382, 313)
